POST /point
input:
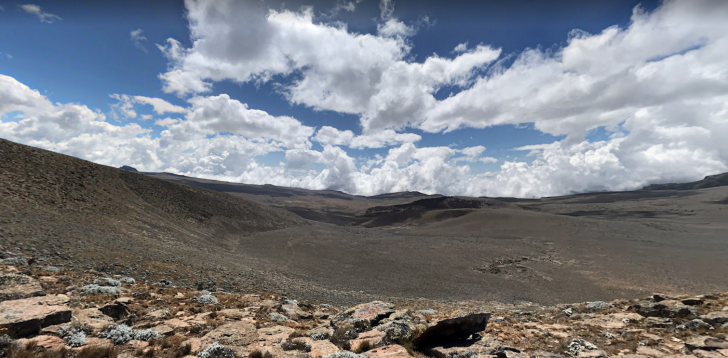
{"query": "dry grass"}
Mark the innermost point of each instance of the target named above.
(183, 350)
(363, 347)
(258, 354)
(171, 341)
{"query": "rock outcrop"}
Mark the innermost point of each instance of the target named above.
(26, 317)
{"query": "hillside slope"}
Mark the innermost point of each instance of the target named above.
(56, 202)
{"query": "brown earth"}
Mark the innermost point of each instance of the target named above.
(329, 246)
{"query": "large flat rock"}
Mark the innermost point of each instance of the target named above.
(26, 317)
(14, 287)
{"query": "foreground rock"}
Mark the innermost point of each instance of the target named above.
(26, 317)
(452, 330)
(14, 287)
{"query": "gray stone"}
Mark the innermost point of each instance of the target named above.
(597, 305)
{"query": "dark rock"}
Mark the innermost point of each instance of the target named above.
(716, 318)
(666, 309)
(452, 330)
(692, 301)
(115, 310)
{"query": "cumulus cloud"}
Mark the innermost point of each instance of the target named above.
(42, 15)
(386, 138)
(138, 39)
(371, 76)
(125, 106)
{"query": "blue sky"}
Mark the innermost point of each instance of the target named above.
(542, 76)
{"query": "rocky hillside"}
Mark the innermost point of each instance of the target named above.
(103, 216)
(46, 311)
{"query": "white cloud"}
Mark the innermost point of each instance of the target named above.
(394, 27)
(146, 117)
(127, 103)
(386, 7)
(363, 74)
(137, 38)
(42, 15)
(386, 138)
(461, 47)
(167, 122)
(160, 106)
(332, 136)
(488, 160)
(348, 6)
(221, 114)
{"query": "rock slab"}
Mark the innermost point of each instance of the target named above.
(26, 317)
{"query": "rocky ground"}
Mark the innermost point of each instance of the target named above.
(47, 311)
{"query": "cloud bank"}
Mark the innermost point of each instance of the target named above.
(658, 88)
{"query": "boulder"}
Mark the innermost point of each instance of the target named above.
(26, 317)
(237, 333)
(665, 309)
(397, 330)
(374, 337)
(452, 330)
(15, 287)
(363, 316)
(92, 317)
(293, 311)
(322, 348)
(706, 343)
(390, 351)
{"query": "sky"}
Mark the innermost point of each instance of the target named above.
(478, 98)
